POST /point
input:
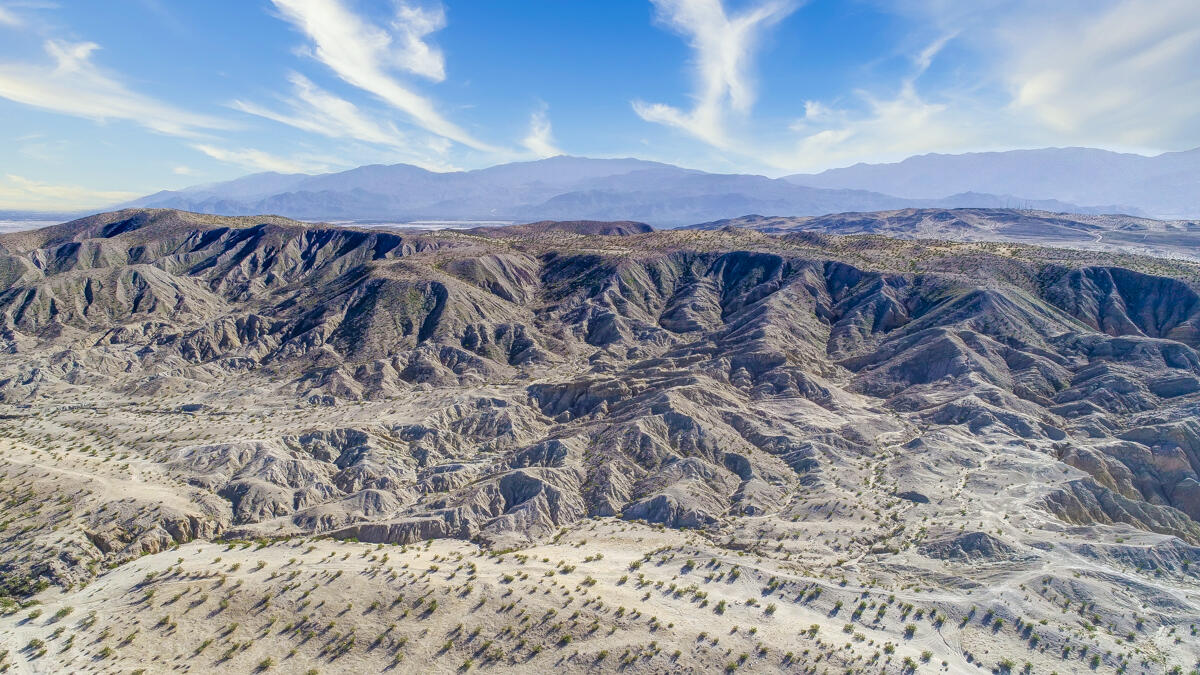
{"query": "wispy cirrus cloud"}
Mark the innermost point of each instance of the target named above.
(73, 85)
(18, 192)
(315, 110)
(1106, 73)
(884, 127)
(257, 160)
(414, 53)
(540, 140)
(1127, 74)
(368, 56)
(724, 45)
(7, 18)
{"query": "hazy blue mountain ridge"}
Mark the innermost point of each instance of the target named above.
(1163, 186)
(557, 188)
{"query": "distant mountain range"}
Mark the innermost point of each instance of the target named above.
(568, 188)
(1165, 186)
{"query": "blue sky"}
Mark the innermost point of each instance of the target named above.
(102, 101)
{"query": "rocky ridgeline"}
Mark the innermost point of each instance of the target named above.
(679, 377)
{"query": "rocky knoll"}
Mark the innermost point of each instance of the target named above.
(530, 377)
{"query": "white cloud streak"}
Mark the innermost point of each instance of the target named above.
(366, 56)
(540, 140)
(724, 45)
(73, 85)
(1119, 72)
(889, 130)
(412, 26)
(18, 192)
(886, 128)
(7, 18)
(317, 111)
(257, 160)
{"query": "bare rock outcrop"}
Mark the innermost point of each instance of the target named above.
(570, 370)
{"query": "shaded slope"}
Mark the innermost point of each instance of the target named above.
(683, 378)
